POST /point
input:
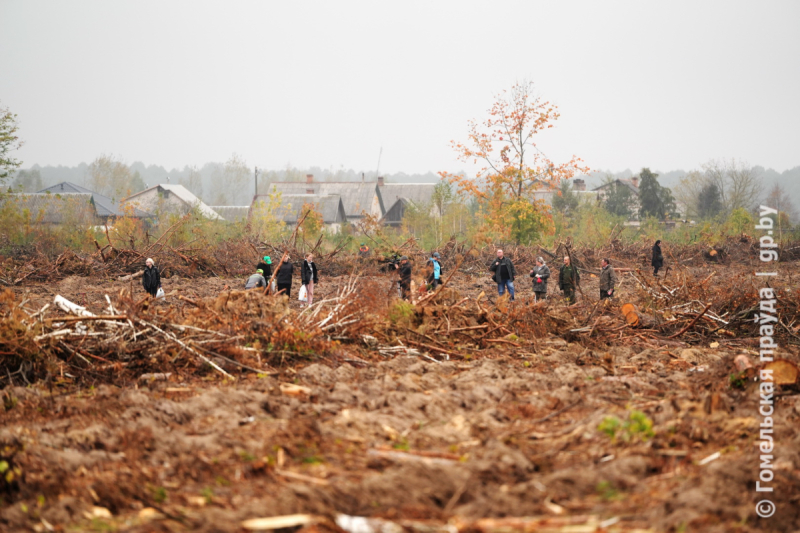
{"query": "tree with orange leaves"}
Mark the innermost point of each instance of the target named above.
(514, 166)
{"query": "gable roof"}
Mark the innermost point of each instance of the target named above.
(330, 206)
(57, 208)
(104, 206)
(180, 192)
(628, 183)
(356, 196)
(416, 193)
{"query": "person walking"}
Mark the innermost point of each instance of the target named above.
(568, 279)
(308, 276)
(658, 258)
(608, 279)
(436, 274)
(284, 277)
(256, 280)
(265, 266)
(504, 274)
(151, 279)
(540, 275)
(404, 269)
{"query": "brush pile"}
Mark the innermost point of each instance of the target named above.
(233, 331)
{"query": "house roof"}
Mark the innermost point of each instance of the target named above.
(416, 193)
(356, 196)
(182, 193)
(394, 212)
(54, 208)
(105, 206)
(330, 206)
(232, 213)
(628, 183)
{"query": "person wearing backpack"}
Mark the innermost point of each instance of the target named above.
(435, 277)
(308, 276)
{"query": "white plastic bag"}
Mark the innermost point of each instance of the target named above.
(303, 296)
(160, 293)
(274, 287)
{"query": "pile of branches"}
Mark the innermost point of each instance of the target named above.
(448, 325)
(238, 331)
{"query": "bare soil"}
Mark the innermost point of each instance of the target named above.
(499, 432)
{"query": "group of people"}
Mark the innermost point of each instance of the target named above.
(569, 277)
(503, 270)
(309, 276)
(433, 280)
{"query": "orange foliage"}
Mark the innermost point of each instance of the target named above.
(515, 167)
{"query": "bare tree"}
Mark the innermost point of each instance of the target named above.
(739, 185)
(778, 199)
(110, 176)
(193, 181)
(231, 185)
(688, 190)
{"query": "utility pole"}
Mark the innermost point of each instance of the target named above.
(256, 176)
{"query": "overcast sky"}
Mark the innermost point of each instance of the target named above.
(668, 85)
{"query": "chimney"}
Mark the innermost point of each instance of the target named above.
(380, 181)
(579, 185)
(309, 178)
(635, 181)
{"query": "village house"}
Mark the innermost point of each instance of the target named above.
(68, 203)
(104, 206)
(168, 198)
(545, 191)
(396, 198)
(74, 209)
(330, 206)
(632, 184)
(358, 197)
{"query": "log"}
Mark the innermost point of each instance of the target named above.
(280, 522)
(744, 366)
(131, 276)
(69, 307)
(634, 318)
(783, 372)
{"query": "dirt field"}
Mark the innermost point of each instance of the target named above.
(613, 428)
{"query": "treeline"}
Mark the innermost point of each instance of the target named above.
(789, 180)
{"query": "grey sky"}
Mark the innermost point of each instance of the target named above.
(666, 85)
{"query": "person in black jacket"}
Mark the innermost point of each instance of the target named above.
(151, 279)
(569, 279)
(405, 277)
(658, 258)
(265, 266)
(284, 278)
(504, 274)
(308, 275)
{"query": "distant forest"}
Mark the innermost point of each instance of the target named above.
(233, 183)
